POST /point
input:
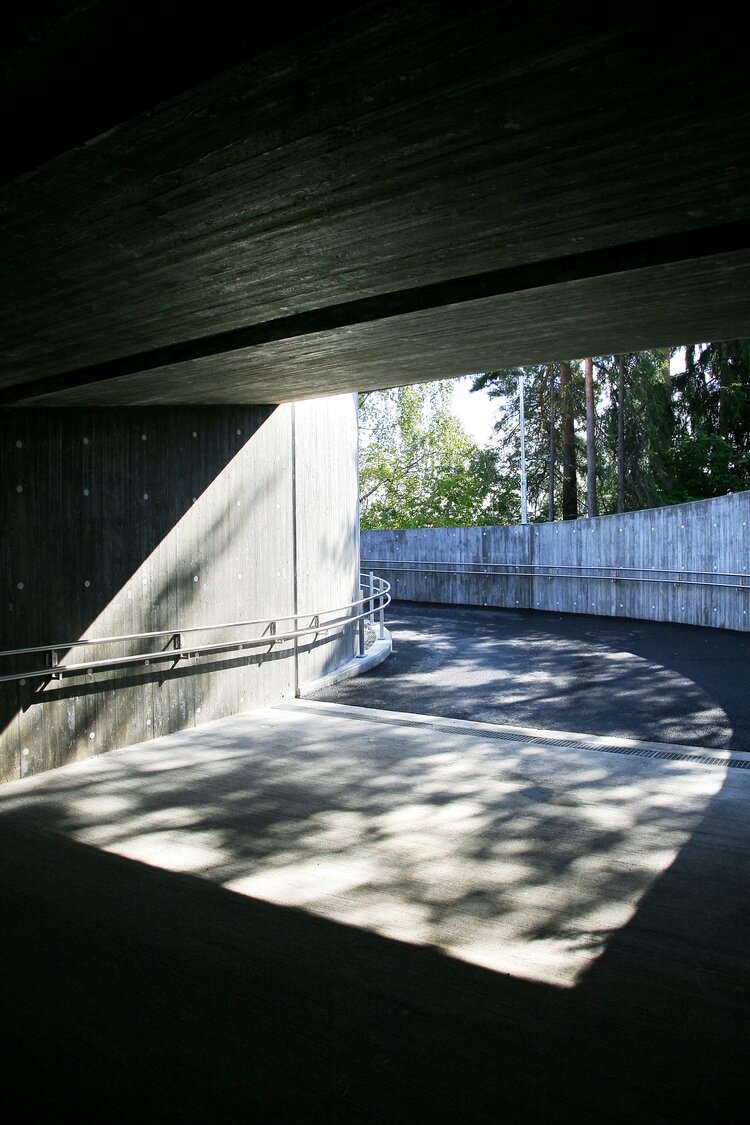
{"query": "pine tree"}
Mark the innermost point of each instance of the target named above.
(554, 403)
(711, 446)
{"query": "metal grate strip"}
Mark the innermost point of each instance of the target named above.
(541, 740)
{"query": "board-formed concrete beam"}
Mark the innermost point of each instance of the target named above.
(620, 312)
(670, 250)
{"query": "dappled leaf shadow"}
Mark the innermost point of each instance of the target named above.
(473, 846)
(639, 679)
(607, 897)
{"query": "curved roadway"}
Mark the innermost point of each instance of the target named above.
(596, 675)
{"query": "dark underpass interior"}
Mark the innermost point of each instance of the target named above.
(203, 208)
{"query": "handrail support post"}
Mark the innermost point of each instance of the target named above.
(361, 628)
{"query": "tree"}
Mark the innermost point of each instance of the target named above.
(418, 468)
(553, 395)
(591, 506)
(551, 431)
(652, 438)
(635, 446)
(567, 428)
(619, 400)
(710, 452)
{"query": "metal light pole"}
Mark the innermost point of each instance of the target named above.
(524, 510)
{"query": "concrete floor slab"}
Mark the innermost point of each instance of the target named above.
(486, 842)
(617, 880)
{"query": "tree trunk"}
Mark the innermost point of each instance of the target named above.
(551, 373)
(667, 369)
(588, 367)
(567, 433)
(620, 433)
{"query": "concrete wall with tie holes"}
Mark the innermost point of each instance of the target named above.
(686, 563)
(126, 520)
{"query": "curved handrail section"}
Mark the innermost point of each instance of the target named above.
(673, 575)
(369, 606)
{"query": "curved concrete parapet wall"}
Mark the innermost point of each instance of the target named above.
(119, 521)
(378, 651)
(687, 563)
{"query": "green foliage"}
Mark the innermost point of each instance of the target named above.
(711, 449)
(686, 437)
(418, 468)
(649, 430)
(541, 385)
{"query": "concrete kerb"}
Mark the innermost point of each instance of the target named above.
(379, 651)
(560, 739)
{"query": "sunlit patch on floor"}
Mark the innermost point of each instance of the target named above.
(172, 849)
(504, 854)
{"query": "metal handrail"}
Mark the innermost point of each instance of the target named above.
(179, 630)
(555, 570)
(417, 564)
(376, 602)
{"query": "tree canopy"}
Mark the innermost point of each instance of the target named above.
(418, 467)
(654, 437)
(658, 438)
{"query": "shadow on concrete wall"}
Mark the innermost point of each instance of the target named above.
(89, 496)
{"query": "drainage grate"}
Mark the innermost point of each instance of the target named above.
(541, 740)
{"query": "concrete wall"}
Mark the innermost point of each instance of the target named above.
(122, 520)
(327, 498)
(708, 535)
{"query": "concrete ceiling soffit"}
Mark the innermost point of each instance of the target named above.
(413, 162)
